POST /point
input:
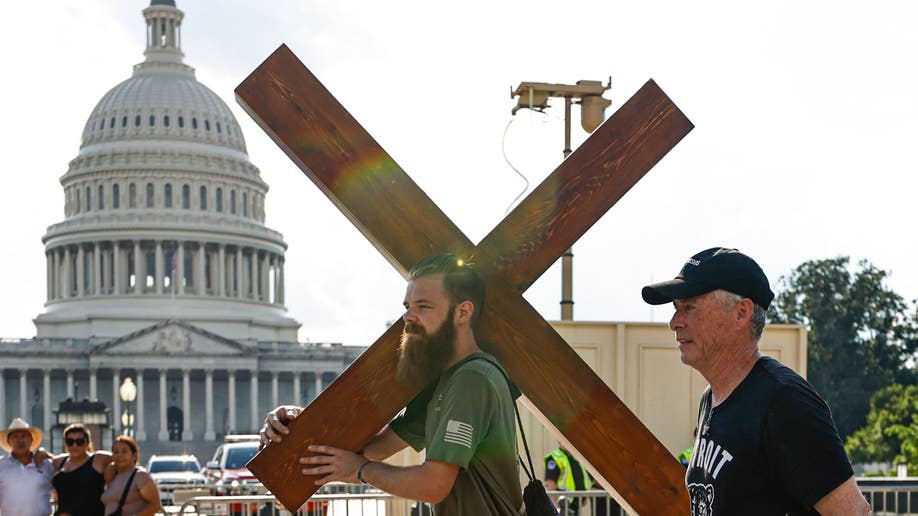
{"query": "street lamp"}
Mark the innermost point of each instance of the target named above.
(128, 392)
(535, 95)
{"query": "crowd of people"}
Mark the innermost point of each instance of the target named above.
(84, 482)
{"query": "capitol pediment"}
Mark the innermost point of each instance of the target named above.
(170, 338)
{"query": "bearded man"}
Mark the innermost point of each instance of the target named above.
(464, 418)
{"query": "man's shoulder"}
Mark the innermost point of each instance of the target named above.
(780, 376)
(479, 364)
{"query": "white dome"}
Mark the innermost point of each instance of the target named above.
(163, 101)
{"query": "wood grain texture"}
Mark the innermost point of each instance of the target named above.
(366, 184)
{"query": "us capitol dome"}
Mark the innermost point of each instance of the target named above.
(164, 213)
(162, 279)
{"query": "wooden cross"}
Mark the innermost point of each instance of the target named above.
(378, 197)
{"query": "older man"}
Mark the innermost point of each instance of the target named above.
(25, 480)
(766, 442)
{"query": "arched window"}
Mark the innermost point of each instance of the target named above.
(207, 125)
(167, 195)
(186, 197)
(137, 121)
(111, 124)
(218, 128)
(101, 197)
(245, 204)
(233, 202)
(116, 196)
(124, 121)
(166, 120)
(218, 203)
(181, 121)
(78, 207)
(132, 195)
(203, 197)
(149, 195)
(88, 198)
(194, 123)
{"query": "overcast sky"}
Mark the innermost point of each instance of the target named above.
(805, 113)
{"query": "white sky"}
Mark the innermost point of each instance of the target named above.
(804, 145)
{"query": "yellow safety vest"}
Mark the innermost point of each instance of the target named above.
(565, 479)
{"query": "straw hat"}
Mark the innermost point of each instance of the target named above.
(17, 425)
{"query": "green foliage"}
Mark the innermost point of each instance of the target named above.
(891, 432)
(861, 334)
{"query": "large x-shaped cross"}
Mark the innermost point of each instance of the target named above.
(377, 196)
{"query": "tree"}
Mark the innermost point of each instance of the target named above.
(891, 433)
(861, 335)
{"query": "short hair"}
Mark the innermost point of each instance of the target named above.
(131, 443)
(728, 299)
(461, 280)
(80, 427)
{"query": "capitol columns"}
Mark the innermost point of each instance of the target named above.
(93, 387)
(163, 401)
(70, 384)
(221, 270)
(231, 386)
(209, 434)
(117, 265)
(140, 429)
(80, 272)
(297, 390)
(274, 393)
(116, 399)
(240, 281)
(46, 391)
(187, 434)
(23, 391)
(96, 269)
(180, 267)
(140, 275)
(158, 270)
(253, 393)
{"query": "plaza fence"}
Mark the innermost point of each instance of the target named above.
(887, 497)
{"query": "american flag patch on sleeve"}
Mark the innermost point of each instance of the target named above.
(458, 432)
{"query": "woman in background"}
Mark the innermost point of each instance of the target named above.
(133, 491)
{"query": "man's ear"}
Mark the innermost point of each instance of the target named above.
(464, 312)
(744, 310)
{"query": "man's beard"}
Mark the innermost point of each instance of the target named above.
(422, 357)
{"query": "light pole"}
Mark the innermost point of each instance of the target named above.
(535, 95)
(128, 392)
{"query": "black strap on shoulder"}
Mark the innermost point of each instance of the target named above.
(127, 489)
(514, 394)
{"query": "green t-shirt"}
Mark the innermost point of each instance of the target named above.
(468, 420)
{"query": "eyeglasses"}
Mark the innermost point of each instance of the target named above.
(79, 441)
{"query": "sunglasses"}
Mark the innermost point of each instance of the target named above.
(79, 441)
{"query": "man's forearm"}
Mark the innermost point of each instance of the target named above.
(429, 482)
(383, 445)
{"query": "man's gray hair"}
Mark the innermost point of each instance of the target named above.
(728, 299)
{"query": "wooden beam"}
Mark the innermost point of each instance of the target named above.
(377, 196)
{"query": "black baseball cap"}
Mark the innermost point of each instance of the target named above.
(712, 269)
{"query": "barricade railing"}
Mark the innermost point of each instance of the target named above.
(884, 500)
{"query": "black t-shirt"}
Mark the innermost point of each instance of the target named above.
(770, 448)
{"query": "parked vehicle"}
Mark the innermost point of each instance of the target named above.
(173, 472)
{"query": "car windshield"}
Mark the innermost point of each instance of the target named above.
(238, 457)
(160, 466)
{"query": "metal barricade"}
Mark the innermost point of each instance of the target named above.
(363, 504)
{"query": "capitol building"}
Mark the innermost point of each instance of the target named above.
(163, 272)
